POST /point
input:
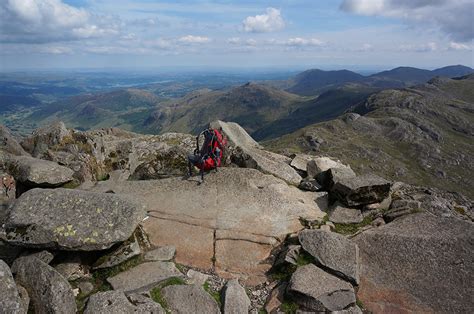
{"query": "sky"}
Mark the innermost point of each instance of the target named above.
(148, 34)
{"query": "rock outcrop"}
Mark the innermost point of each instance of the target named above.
(9, 144)
(48, 290)
(418, 263)
(71, 219)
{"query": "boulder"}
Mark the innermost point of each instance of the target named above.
(344, 215)
(417, 263)
(24, 298)
(310, 185)
(247, 153)
(316, 290)
(288, 255)
(317, 168)
(164, 164)
(48, 290)
(164, 253)
(235, 298)
(276, 298)
(332, 251)
(34, 172)
(10, 301)
(300, 161)
(71, 219)
(45, 256)
(45, 137)
(361, 190)
(110, 302)
(9, 144)
(123, 253)
(196, 278)
(184, 299)
(72, 268)
(230, 222)
(144, 276)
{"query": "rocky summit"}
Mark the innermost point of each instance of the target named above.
(109, 221)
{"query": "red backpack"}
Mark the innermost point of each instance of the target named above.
(212, 149)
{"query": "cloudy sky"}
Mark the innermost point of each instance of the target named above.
(235, 33)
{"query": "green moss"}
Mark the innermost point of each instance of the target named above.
(156, 292)
(460, 210)
(180, 267)
(348, 229)
(100, 276)
(289, 307)
(359, 303)
(304, 259)
(214, 294)
(71, 185)
(262, 311)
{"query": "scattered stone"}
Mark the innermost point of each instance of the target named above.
(314, 289)
(34, 172)
(183, 299)
(361, 190)
(48, 290)
(71, 219)
(144, 276)
(325, 228)
(10, 301)
(196, 278)
(276, 298)
(109, 302)
(123, 253)
(400, 208)
(288, 255)
(85, 287)
(310, 185)
(235, 298)
(333, 251)
(418, 263)
(164, 253)
(344, 215)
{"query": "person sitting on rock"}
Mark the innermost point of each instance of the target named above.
(209, 155)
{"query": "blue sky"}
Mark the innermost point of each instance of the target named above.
(355, 34)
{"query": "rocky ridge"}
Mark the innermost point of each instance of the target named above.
(124, 230)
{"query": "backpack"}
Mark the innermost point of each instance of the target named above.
(211, 151)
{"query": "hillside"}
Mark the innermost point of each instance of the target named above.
(422, 135)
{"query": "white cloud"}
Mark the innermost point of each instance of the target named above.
(298, 41)
(270, 22)
(49, 21)
(459, 46)
(234, 41)
(190, 39)
(428, 47)
(453, 17)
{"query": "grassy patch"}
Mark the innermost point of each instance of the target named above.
(359, 303)
(100, 276)
(262, 311)
(348, 229)
(289, 307)
(460, 210)
(304, 259)
(214, 294)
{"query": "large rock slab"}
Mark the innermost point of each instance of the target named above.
(236, 300)
(361, 190)
(35, 172)
(213, 223)
(316, 290)
(111, 302)
(48, 290)
(144, 276)
(333, 251)
(10, 301)
(418, 263)
(184, 299)
(247, 153)
(71, 219)
(344, 215)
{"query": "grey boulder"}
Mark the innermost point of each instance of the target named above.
(316, 290)
(361, 190)
(35, 172)
(418, 263)
(10, 301)
(164, 253)
(236, 300)
(123, 253)
(344, 215)
(71, 219)
(184, 299)
(112, 302)
(45, 137)
(333, 251)
(48, 290)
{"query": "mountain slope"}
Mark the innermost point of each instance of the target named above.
(422, 135)
(453, 71)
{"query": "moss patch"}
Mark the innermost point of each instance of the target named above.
(156, 293)
(214, 294)
(349, 229)
(289, 307)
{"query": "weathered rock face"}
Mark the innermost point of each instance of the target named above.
(43, 138)
(246, 153)
(418, 263)
(235, 298)
(10, 301)
(232, 221)
(183, 299)
(361, 190)
(35, 172)
(144, 276)
(48, 290)
(123, 253)
(71, 219)
(333, 251)
(343, 215)
(164, 253)
(314, 289)
(9, 144)
(110, 302)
